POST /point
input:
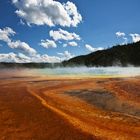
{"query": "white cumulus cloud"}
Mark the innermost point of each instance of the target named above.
(44, 58)
(63, 35)
(12, 57)
(22, 46)
(47, 12)
(65, 55)
(5, 33)
(120, 34)
(135, 37)
(48, 43)
(49, 59)
(5, 36)
(123, 36)
(73, 43)
(22, 58)
(92, 49)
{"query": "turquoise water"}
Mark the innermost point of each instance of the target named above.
(94, 71)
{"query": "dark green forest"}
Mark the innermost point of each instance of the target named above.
(120, 55)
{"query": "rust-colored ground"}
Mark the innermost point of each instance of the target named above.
(41, 108)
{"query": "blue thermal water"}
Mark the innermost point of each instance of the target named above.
(93, 71)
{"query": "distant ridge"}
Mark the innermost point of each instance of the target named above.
(120, 55)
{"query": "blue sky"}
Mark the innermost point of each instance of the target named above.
(78, 27)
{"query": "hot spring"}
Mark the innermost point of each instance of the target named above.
(91, 72)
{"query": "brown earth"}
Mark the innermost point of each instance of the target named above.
(42, 108)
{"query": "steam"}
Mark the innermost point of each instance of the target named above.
(93, 71)
(88, 72)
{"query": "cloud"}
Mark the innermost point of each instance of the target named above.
(73, 43)
(125, 40)
(28, 54)
(120, 34)
(22, 58)
(12, 57)
(65, 55)
(5, 36)
(48, 43)
(49, 59)
(47, 12)
(135, 37)
(92, 49)
(22, 46)
(6, 33)
(45, 58)
(63, 35)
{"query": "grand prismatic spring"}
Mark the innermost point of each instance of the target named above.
(70, 103)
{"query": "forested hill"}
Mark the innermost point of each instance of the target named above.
(120, 55)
